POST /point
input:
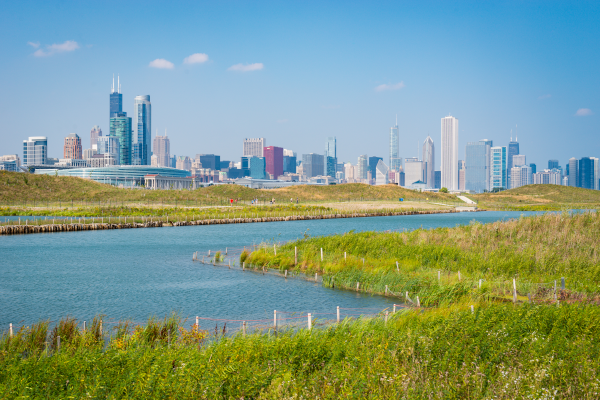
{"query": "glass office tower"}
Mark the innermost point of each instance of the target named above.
(497, 168)
(395, 159)
(120, 127)
(141, 137)
(477, 164)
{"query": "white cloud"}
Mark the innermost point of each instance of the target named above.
(161, 63)
(197, 58)
(395, 86)
(544, 97)
(583, 112)
(69, 45)
(35, 45)
(246, 67)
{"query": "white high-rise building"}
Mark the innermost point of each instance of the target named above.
(381, 173)
(449, 153)
(362, 168)
(413, 171)
(429, 162)
(254, 147)
(35, 150)
(596, 172)
(519, 160)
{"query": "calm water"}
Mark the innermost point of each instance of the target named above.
(137, 273)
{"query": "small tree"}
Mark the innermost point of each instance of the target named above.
(444, 190)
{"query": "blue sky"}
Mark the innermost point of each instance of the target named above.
(316, 69)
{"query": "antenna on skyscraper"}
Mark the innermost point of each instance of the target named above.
(516, 132)
(511, 135)
(396, 119)
(113, 85)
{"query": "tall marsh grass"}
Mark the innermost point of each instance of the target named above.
(536, 251)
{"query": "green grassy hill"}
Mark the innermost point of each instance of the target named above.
(20, 187)
(540, 197)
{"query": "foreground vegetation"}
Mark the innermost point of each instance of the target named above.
(499, 351)
(535, 251)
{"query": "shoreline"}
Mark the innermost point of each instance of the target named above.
(49, 228)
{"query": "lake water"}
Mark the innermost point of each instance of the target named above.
(138, 273)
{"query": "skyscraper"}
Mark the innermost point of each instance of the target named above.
(596, 172)
(429, 162)
(449, 152)
(209, 161)
(519, 160)
(373, 161)
(116, 99)
(313, 164)
(72, 148)
(461, 175)
(552, 164)
(477, 166)
(586, 173)
(513, 150)
(573, 172)
(120, 127)
(35, 150)
(140, 141)
(254, 147)
(274, 161)
(331, 147)
(362, 167)
(413, 171)
(497, 168)
(162, 150)
(381, 173)
(95, 133)
(257, 167)
(395, 159)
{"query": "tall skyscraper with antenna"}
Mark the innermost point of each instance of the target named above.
(116, 99)
(395, 159)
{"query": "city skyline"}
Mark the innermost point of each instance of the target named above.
(207, 81)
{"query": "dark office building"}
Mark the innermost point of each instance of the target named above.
(246, 166)
(224, 164)
(552, 164)
(116, 100)
(274, 160)
(313, 164)
(209, 161)
(513, 150)
(438, 180)
(331, 166)
(586, 173)
(289, 164)
(257, 168)
(533, 168)
(235, 173)
(372, 166)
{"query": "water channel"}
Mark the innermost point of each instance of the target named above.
(138, 273)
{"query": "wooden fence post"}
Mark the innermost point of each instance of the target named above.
(309, 321)
(386, 289)
(418, 302)
(84, 326)
(562, 283)
(316, 277)
(295, 255)
(344, 256)
(472, 309)
(10, 329)
(338, 314)
(357, 286)
(244, 328)
(197, 323)
(397, 268)
(459, 276)
(58, 343)
(439, 276)
(321, 254)
(275, 249)
(481, 280)
(514, 290)
(286, 273)
(394, 312)
(275, 319)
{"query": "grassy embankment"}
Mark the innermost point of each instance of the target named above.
(42, 195)
(532, 250)
(499, 351)
(539, 198)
